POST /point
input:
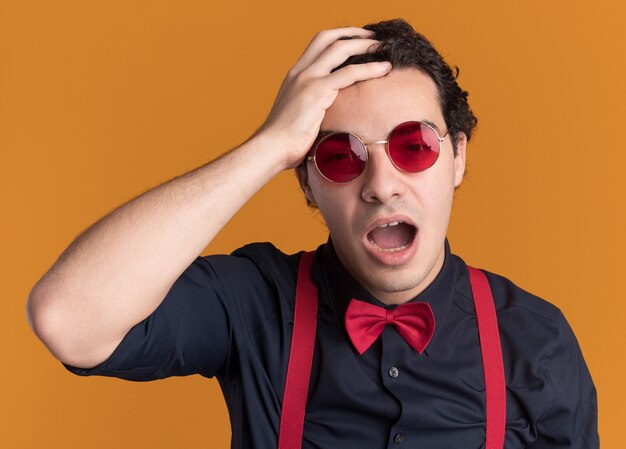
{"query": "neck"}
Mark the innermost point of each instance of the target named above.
(404, 296)
(396, 285)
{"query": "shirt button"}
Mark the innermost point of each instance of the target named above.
(399, 438)
(393, 372)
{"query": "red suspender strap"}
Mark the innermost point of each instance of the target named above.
(492, 359)
(300, 358)
(303, 343)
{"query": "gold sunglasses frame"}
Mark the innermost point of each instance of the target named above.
(365, 145)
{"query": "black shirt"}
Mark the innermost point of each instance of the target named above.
(232, 316)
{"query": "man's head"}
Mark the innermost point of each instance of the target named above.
(394, 262)
(405, 48)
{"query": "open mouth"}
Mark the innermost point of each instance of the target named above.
(392, 237)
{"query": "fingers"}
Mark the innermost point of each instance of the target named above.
(327, 51)
(310, 88)
(337, 52)
(352, 73)
(322, 40)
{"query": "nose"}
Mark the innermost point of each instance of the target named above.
(382, 182)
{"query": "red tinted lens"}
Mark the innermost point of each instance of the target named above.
(340, 157)
(413, 146)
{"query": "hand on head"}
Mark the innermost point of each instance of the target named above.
(310, 88)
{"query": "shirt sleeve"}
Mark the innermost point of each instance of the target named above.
(190, 332)
(571, 420)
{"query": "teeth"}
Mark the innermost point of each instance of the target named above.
(393, 223)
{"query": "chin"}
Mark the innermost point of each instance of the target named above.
(393, 280)
(408, 278)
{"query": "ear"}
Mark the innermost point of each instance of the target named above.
(459, 159)
(303, 178)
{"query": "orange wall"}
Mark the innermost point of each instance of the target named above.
(100, 101)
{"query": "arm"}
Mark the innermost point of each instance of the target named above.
(117, 272)
(571, 419)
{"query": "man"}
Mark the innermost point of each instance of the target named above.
(379, 151)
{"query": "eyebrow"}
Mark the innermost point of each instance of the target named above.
(428, 122)
(326, 132)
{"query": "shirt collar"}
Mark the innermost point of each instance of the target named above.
(338, 286)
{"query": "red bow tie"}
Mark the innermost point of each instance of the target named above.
(365, 322)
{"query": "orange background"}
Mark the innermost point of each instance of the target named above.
(100, 101)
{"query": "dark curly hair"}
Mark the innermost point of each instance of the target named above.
(405, 48)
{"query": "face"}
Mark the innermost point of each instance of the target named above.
(395, 262)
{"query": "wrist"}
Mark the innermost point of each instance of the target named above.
(282, 149)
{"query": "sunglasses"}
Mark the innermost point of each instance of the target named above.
(412, 147)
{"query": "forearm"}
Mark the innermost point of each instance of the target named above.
(119, 270)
